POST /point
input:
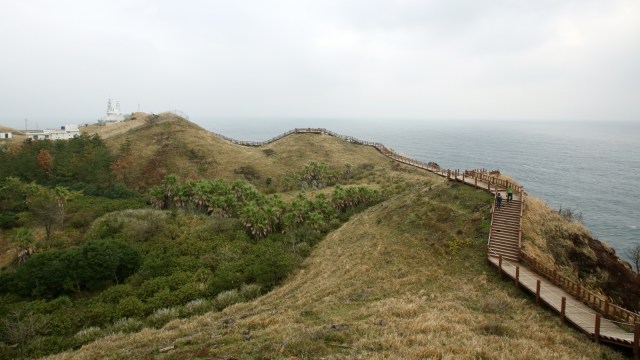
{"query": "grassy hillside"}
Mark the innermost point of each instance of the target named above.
(407, 278)
(17, 136)
(173, 145)
(561, 241)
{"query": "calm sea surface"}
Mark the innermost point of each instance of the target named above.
(592, 167)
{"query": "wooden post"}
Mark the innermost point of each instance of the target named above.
(596, 331)
(553, 277)
(636, 342)
(517, 276)
(500, 264)
(578, 290)
(563, 308)
(537, 292)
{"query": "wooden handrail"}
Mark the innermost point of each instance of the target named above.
(593, 300)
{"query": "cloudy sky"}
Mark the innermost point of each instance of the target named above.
(352, 59)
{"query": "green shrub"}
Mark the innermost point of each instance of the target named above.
(303, 249)
(8, 220)
(126, 325)
(197, 306)
(162, 316)
(87, 335)
(190, 291)
(131, 306)
(114, 294)
(90, 266)
(269, 263)
(161, 299)
(150, 287)
(98, 313)
(227, 298)
(132, 225)
(227, 276)
(250, 291)
(61, 302)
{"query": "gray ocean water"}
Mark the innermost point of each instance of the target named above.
(591, 167)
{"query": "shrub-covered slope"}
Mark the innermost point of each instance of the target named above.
(407, 278)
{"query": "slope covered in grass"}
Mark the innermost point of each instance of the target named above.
(171, 144)
(564, 243)
(407, 278)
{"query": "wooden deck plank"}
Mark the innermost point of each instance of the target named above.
(576, 312)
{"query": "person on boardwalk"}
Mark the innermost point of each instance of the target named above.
(509, 193)
(499, 200)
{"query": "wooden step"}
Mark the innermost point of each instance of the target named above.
(513, 243)
(505, 232)
(506, 247)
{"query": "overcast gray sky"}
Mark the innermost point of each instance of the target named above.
(545, 59)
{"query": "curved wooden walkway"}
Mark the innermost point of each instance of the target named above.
(504, 252)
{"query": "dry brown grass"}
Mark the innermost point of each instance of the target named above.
(7, 252)
(376, 288)
(181, 147)
(137, 120)
(547, 236)
(17, 136)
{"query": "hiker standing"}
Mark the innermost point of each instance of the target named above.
(509, 193)
(499, 200)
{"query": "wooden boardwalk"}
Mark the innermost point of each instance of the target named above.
(574, 311)
(504, 251)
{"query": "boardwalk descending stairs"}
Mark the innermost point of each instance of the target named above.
(505, 231)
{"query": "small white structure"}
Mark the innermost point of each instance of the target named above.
(6, 135)
(114, 115)
(66, 132)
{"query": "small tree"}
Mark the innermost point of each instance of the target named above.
(633, 253)
(47, 205)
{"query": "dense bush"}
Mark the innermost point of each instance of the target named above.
(91, 266)
(211, 244)
(82, 160)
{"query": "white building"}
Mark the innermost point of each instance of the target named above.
(114, 115)
(66, 132)
(6, 135)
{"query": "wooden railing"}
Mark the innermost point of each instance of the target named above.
(481, 174)
(597, 302)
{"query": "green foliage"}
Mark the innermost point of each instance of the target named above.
(227, 298)
(126, 325)
(85, 159)
(262, 214)
(133, 262)
(269, 263)
(131, 306)
(197, 306)
(162, 316)
(90, 266)
(87, 335)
